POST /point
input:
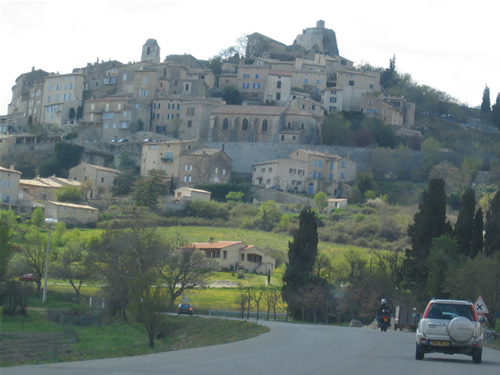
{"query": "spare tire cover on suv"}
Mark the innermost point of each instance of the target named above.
(460, 329)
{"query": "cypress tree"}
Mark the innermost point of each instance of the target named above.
(477, 240)
(302, 252)
(464, 227)
(492, 235)
(429, 223)
(486, 104)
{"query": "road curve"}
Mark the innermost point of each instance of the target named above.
(288, 349)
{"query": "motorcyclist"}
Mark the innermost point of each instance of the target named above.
(383, 306)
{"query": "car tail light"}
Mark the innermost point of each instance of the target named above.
(427, 309)
(474, 313)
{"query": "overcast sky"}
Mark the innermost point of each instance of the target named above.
(450, 45)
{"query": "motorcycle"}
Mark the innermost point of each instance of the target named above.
(385, 320)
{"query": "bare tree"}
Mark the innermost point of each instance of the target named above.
(182, 268)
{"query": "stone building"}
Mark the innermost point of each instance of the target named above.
(204, 166)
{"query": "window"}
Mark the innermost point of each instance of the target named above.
(170, 116)
(188, 167)
(268, 181)
(124, 77)
(292, 171)
(333, 99)
(256, 85)
(351, 83)
(124, 124)
(282, 138)
(278, 85)
(143, 93)
(190, 124)
(246, 85)
(186, 87)
(263, 170)
(187, 178)
(225, 124)
(245, 124)
(256, 76)
(306, 81)
(342, 176)
(144, 80)
(190, 111)
(278, 96)
(216, 170)
(246, 75)
(318, 82)
(270, 169)
(264, 126)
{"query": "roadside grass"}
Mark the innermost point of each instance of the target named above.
(118, 339)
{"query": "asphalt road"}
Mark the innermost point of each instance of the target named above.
(288, 349)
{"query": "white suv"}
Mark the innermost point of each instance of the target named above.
(450, 327)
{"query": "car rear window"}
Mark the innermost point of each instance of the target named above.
(450, 311)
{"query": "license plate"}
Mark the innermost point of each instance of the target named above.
(439, 343)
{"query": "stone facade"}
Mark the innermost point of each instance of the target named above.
(101, 178)
(235, 255)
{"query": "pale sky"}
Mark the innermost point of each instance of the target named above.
(450, 45)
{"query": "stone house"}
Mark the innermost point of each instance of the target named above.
(165, 155)
(188, 163)
(204, 166)
(116, 117)
(45, 189)
(334, 203)
(183, 116)
(305, 171)
(60, 93)
(9, 188)
(70, 213)
(235, 255)
(101, 178)
(192, 194)
(278, 87)
(377, 107)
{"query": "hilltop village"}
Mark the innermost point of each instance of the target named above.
(175, 115)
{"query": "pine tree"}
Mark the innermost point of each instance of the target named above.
(492, 235)
(464, 228)
(486, 104)
(429, 223)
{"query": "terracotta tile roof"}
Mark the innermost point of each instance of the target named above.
(73, 205)
(98, 167)
(33, 183)
(215, 245)
(2, 169)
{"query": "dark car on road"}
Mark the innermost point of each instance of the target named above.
(185, 308)
(28, 277)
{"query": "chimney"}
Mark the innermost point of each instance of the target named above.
(211, 240)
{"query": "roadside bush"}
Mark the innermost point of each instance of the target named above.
(15, 295)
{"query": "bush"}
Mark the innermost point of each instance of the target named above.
(15, 295)
(207, 210)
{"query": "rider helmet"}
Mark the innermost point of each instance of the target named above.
(383, 301)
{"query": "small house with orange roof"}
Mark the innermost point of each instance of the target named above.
(235, 256)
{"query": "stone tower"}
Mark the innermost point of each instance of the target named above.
(151, 51)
